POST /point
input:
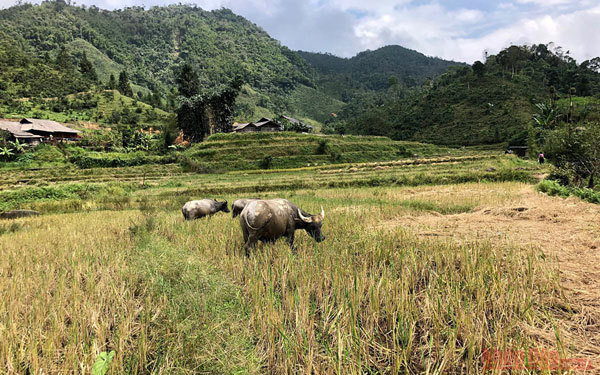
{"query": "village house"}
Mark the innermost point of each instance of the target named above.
(49, 130)
(244, 128)
(16, 134)
(263, 125)
(33, 131)
(299, 125)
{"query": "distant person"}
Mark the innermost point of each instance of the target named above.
(541, 158)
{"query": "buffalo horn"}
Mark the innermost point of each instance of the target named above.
(304, 218)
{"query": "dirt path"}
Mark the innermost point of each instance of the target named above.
(566, 229)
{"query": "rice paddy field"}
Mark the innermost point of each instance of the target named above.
(429, 264)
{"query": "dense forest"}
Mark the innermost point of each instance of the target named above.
(55, 49)
(54, 40)
(150, 44)
(487, 102)
(372, 70)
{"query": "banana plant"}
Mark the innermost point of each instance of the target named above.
(5, 152)
(17, 146)
(547, 117)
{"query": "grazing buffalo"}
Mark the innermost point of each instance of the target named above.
(238, 205)
(205, 207)
(268, 220)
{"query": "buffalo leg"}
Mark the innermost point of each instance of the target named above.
(245, 233)
(250, 243)
(290, 241)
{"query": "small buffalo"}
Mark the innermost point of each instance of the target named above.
(238, 205)
(205, 207)
(268, 220)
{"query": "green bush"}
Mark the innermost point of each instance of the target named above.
(45, 153)
(553, 188)
(322, 148)
(266, 162)
(117, 159)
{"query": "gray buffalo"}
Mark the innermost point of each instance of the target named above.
(268, 220)
(205, 207)
(238, 205)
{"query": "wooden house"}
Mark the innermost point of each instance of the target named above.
(48, 130)
(17, 134)
(267, 125)
(263, 125)
(245, 128)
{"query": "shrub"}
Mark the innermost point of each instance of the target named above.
(553, 188)
(322, 147)
(266, 162)
(335, 156)
(45, 153)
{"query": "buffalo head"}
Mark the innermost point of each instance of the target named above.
(222, 206)
(313, 224)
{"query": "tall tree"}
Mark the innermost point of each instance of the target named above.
(87, 69)
(112, 83)
(203, 113)
(124, 86)
(187, 81)
(63, 59)
(478, 68)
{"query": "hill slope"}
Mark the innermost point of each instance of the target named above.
(486, 103)
(371, 70)
(151, 44)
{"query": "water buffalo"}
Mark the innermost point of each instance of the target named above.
(238, 205)
(268, 220)
(205, 207)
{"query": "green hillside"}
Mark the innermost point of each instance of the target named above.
(152, 43)
(149, 44)
(103, 106)
(486, 103)
(45, 48)
(371, 70)
(23, 74)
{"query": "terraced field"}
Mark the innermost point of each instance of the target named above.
(63, 188)
(17, 178)
(290, 150)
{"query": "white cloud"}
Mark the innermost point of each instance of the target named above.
(545, 2)
(437, 31)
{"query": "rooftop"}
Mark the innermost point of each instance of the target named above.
(48, 126)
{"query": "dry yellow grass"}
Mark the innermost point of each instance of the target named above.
(63, 295)
(389, 291)
(567, 230)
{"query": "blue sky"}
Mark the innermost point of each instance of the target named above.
(452, 29)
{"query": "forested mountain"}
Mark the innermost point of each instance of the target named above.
(488, 102)
(51, 51)
(55, 49)
(149, 45)
(373, 70)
